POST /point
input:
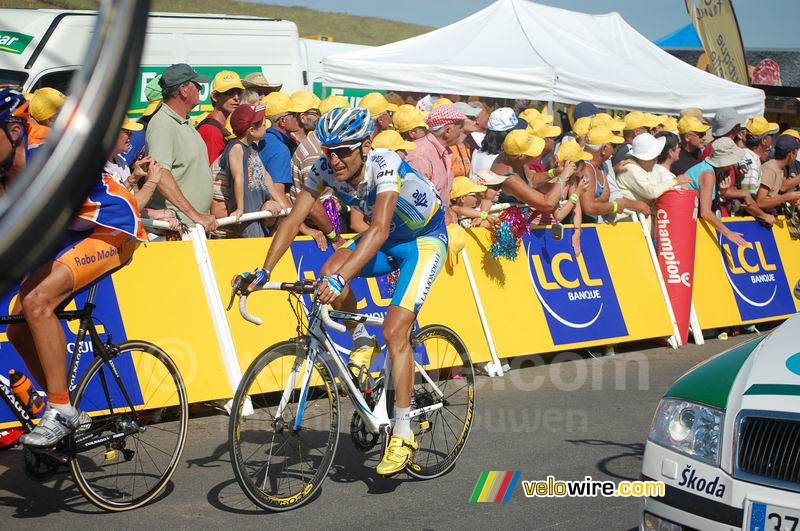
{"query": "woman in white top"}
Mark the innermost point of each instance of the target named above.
(501, 122)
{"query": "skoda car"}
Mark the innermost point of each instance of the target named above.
(725, 440)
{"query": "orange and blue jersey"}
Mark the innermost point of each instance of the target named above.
(112, 206)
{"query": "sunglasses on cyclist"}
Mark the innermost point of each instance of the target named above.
(340, 151)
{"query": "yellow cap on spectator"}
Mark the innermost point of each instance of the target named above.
(440, 102)
(130, 125)
(572, 151)
(333, 102)
(690, 124)
(671, 124)
(652, 120)
(635, 120)
(226, 80)
(306, 100)
(603, 118)
(463, 186)
(601, 134)
(543, 130)
(791, 132)
(392, 140)
(45, 103)
(407, 118)
(758, 125)
(376, 104)
(581, 126)
(520, 143)
(533, 115)
(279, 103)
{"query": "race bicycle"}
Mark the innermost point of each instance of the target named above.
(139, 412)
(284, 425)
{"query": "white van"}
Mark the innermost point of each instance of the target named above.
(44, 47)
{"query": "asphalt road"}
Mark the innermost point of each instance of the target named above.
(568, 417)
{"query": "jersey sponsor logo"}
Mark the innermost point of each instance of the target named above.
(107, 320)
(756, 274)
(793, 363)
(420, 198)
(576, 292)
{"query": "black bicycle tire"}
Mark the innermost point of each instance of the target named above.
(415, 470)
(80, 482)
(271, 503)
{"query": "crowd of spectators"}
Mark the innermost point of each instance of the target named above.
(253, 151)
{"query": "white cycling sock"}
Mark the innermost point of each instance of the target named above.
(361, 337)
(402, 422)
(68, 410)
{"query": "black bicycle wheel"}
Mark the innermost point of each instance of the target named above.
(129, 471)
(280, 468)
(441, 433)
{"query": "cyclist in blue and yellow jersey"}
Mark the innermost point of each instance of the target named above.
(101, 240)
(406, 232)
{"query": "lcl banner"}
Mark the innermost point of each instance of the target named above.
(744, 284)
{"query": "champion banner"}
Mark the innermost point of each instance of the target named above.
(676, 220)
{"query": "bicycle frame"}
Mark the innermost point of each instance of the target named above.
(100, 349)
(377, 420)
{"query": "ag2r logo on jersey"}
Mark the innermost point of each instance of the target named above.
(756, 274)
(576, 293)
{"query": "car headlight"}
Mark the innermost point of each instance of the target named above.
(688, 428)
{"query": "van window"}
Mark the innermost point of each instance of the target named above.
(58, 80)
(12, 77)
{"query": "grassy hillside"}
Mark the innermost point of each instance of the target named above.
(343, 28)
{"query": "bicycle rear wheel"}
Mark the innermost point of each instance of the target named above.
(277, 467)
(441, 433)
(128, 471)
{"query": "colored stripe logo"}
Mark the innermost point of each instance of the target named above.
(495, 486)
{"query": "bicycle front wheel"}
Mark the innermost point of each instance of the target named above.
(445, 380)
(277, 466)
(139, 407)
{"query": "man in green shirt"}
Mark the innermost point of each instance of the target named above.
(173, 142)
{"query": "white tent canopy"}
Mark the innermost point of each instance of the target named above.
(519, 49)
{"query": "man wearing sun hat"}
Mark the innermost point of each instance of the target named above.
(44, 107)
(759, 134)
(638, 181)
(691, 131)
(309, 116)
(278, 146)
(445, 125)
(380, 110)
(175, 144)
(259, 84)
(636, 123)
(226, 92)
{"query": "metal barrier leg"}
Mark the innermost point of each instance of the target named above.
(494, 367)
(697, 332)
(221, 328)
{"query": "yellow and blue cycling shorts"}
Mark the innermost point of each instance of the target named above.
(420, 261)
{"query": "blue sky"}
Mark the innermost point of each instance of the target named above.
(764, 23)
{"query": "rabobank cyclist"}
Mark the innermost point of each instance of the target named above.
(406, 232)
(101, 240)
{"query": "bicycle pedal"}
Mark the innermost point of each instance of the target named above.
(110, 455)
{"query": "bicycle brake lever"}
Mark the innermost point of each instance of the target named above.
(236, 289)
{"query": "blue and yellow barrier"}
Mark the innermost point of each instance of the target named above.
(546, 300)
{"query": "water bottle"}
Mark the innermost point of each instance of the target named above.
(23, 389)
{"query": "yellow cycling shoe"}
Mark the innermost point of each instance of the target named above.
(398, 455)
(361, 358)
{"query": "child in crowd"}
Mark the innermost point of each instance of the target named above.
(472, 211)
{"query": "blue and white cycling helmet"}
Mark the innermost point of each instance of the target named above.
(342, 126)
(10, 101)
